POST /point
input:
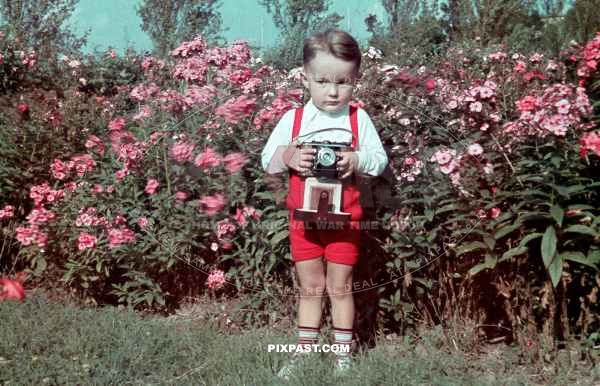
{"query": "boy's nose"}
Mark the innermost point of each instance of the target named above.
(332, 89)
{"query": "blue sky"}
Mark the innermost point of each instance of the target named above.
(115, 22)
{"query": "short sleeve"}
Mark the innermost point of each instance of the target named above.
(280, 136)
(372, 158)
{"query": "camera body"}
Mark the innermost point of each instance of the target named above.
(326, 159)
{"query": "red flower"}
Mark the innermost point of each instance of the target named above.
(12, 289)
(494, 212)
(23, 108)
(430, 85)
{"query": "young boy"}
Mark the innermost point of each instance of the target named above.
(331, 67)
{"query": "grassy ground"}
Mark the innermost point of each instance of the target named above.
(46, 343)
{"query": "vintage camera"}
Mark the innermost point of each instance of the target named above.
(325, 163)
(323, 189)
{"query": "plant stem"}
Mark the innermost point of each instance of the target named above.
(166, 165)
(512, 168)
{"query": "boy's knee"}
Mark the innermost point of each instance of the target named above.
(339, 292)
(313, 287)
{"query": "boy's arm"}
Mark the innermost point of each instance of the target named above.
(372, 158)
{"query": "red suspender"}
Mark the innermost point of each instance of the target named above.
(354, 126)
(297, 123)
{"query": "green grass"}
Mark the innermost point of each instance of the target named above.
(48, 343)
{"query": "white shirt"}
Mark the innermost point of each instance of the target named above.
(372, 158)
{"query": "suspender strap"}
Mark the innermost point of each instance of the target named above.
(354, 126)
(297, 123)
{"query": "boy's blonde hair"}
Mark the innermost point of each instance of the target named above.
(335, 42)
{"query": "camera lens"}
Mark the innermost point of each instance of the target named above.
(326, 156)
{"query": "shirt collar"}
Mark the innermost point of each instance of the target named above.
(311, 110)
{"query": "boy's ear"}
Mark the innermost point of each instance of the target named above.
(304, 77)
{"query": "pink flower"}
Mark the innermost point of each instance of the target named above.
(97, 188)
(563, 106)
(475, 149)
(443, 156)
(520, 66)
(212, 204)
(589, 141)
(143, 222)
(475, 107)
(151, 186)
(7, 212)
(117, 124)
(122, 173)
(181, 196)
(236, 109)
(453, 104)
(234, 162)
(241, 215)
(215, 279)
(208, 159)
(182, 151)
(40, 216)
(27, 236)
(240, 77)
(196, 46)
(409, 161)
(486, 92)
(119, 236)
(70, 186)
(528, 103)
(83, 163)
(59, 169)
(225, 228)
(94, 142)
(86, 241)
(481, 214)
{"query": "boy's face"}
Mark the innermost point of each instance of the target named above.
(330, 81)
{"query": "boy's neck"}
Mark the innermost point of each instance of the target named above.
(342, 111)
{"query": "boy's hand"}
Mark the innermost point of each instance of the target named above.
(347, 164)
(299, 159)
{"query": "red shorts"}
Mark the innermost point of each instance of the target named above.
(336, 245)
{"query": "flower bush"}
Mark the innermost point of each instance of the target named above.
(489, 209)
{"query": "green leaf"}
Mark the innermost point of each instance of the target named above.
(489, 263)
(519, 250)
(429, 214)
(577, 257)
(278, 237)
(500, 233)
(470, 247)
(40, 265)
(548, 246)
(533, 216)
(490, 242)
(529, 237)
(557, 213)
(583, 229)
(562, 190)
(555, 270)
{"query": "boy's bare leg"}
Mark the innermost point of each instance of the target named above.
(312, 287)
(339, 287)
